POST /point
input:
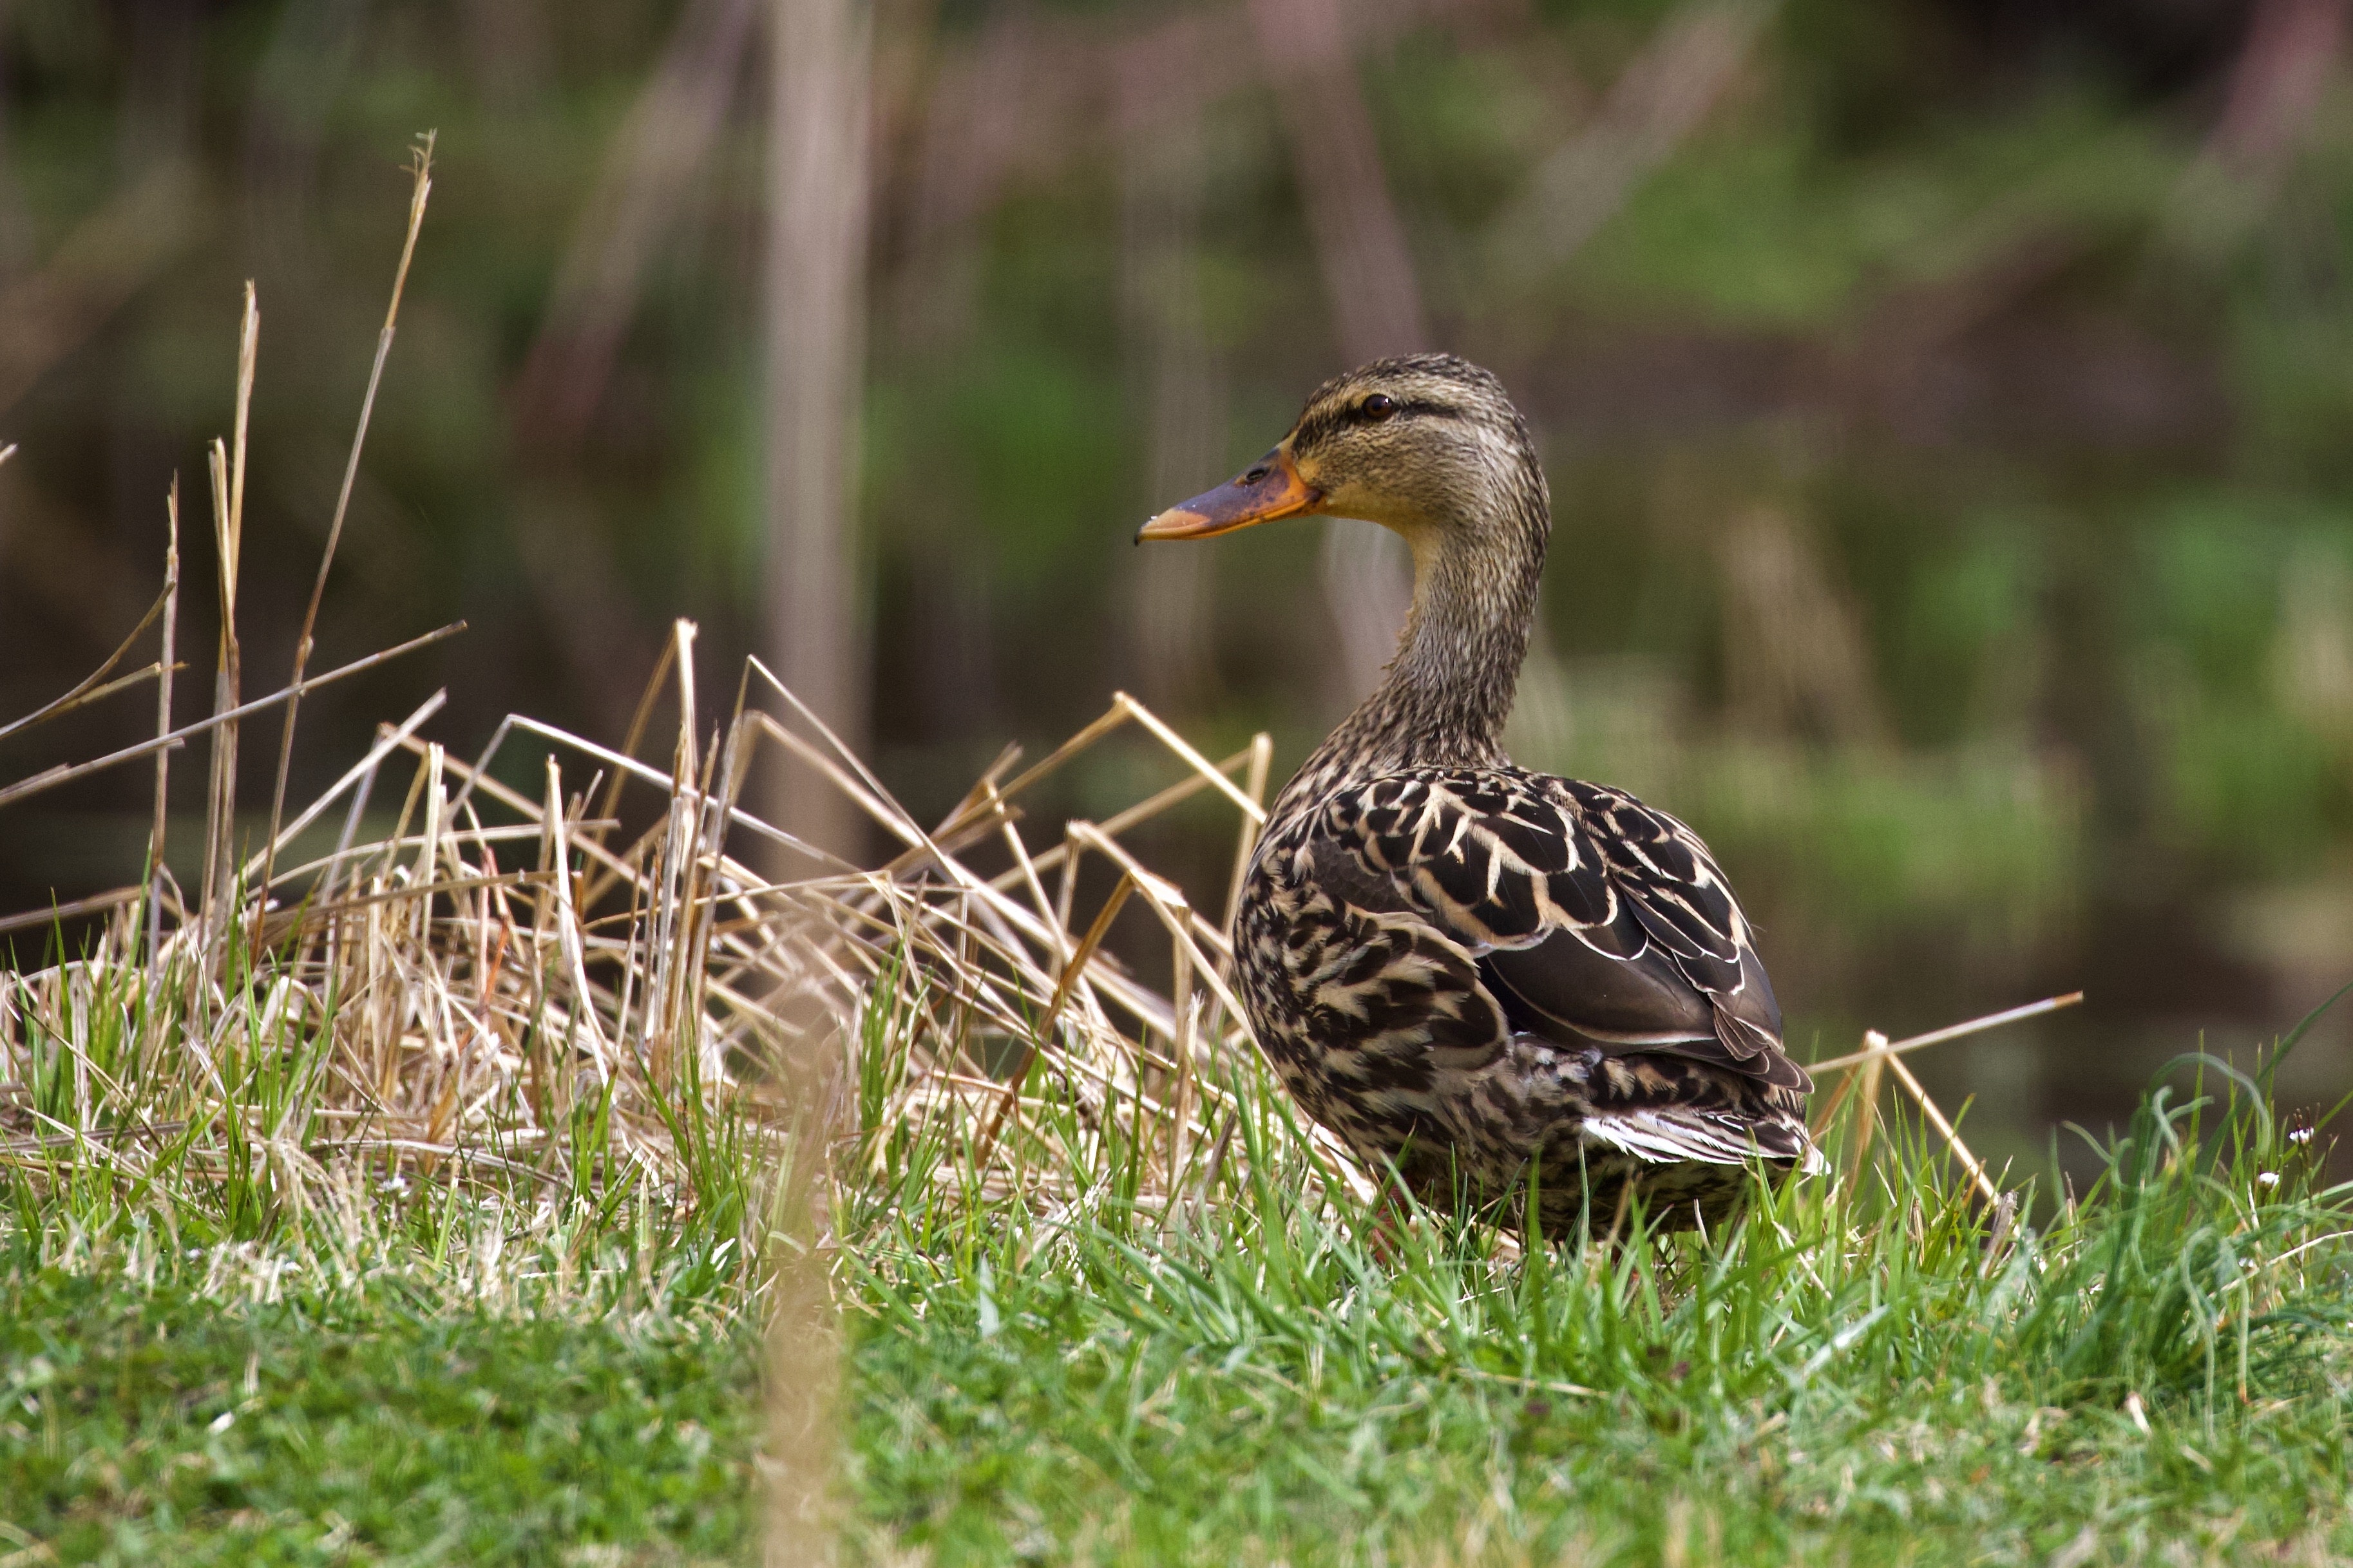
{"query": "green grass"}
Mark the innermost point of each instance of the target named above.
(1865, 1377)
(1867, 1380)
(158, 1422)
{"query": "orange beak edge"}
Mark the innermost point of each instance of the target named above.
(1269, 490)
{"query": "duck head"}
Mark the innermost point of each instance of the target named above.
(1428, 446)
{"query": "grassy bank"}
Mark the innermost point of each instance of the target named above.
(1881, 1373)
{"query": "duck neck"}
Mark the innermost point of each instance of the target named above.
(1443, 699)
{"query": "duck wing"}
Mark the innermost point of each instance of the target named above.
(1596, 918)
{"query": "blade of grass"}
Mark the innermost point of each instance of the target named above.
(421, 188)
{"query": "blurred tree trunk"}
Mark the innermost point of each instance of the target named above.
(816, 340)
(1179, 386)
(1367, 276)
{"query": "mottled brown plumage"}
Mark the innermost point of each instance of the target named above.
(1459, 966)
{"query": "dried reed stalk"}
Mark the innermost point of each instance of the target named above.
(421, 188)
(1879, 1055)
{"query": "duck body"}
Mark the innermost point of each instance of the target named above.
(1492, 981)
(1418, 950)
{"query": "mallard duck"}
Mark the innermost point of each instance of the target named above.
(1462, 968)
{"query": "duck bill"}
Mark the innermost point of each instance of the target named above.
(1268, 489)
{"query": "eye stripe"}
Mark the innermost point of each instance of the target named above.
(1329, 421)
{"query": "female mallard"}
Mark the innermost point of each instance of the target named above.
(1459, 966)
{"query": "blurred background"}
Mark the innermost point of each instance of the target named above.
(1949, 406)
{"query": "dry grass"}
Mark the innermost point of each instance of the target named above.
(457, 991)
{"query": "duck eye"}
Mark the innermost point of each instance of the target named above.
(1379, 405)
